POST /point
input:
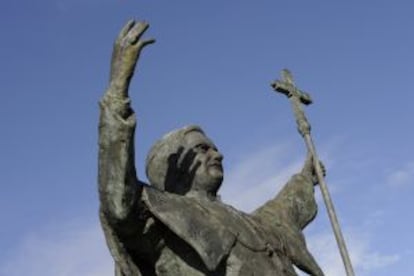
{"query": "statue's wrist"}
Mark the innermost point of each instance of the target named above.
(120, 86)
(118, 101)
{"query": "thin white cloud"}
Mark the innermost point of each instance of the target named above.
(402, 176)
(259, 176)
(365, 259)
(75, 248)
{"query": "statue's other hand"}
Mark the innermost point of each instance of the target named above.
(314, 176)
(126, 52)
(310, 170)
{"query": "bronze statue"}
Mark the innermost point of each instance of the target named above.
(177, 225)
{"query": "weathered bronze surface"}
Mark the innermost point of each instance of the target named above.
(176, 224)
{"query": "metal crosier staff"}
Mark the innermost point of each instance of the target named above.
(297, 98)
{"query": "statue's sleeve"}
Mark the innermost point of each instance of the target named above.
(295, 204)
(119, 188)
(288, 214)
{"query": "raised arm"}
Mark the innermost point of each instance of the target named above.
(118, 183)
(290, 212)
(295, 204)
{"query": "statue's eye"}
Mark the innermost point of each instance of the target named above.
(202, 147)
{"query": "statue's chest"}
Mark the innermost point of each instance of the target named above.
(241, 261)
(257, 251)
(244, 261)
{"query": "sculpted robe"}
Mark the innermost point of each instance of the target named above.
(160, 233)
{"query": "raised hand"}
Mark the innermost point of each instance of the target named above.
(126, 51)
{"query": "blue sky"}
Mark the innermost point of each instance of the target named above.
(212, 65)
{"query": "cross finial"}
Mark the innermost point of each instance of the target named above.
(287, 86)
(287, 77)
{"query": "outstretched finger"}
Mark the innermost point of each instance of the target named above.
(128, 26)
(136, 32)
(147, 42)
(323, 168)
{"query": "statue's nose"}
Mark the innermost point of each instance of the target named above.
(218, 156)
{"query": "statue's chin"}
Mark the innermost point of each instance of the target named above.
(216, 172)
(215, 183)
(209, 182)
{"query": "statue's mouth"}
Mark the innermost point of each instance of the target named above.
(216, 165)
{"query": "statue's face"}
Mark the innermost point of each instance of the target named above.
(206, 164)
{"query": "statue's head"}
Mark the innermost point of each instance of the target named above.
(185, 160)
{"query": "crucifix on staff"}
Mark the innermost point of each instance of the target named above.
(297, 97)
